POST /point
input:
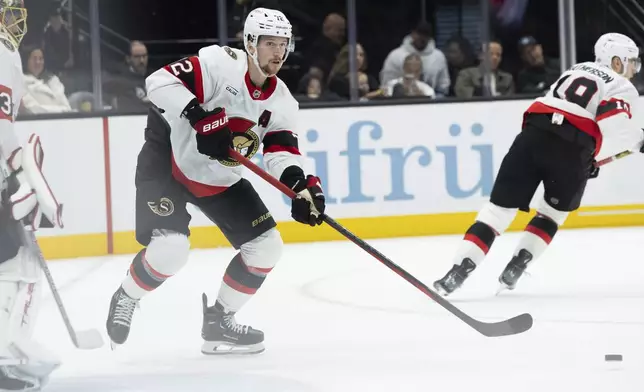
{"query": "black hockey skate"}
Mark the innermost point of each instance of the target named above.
(222, 335)
(119, 318)
(455, 277)
(515, 269)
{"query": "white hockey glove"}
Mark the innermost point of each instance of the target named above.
(34, 199)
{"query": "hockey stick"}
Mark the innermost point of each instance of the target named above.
(511, 326)
(613, 158)
(85, 339)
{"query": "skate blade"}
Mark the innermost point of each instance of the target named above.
(114, 345)
(225, 348)
(502, 287)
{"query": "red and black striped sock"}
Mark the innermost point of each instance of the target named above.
(240, 283)
(537, 235)
(142, 278)
(476, 244)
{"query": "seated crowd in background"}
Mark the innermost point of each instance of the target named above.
(416, 68)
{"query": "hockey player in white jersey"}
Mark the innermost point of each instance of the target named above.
(25, 198)
(591, 105)
(205, 105)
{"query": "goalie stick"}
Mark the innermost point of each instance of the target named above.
(515, 325)
(83, 339)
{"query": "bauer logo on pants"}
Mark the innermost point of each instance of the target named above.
(164, 207)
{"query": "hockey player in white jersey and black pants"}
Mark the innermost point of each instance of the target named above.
(591, 104)
(25, 199)
(206, 104)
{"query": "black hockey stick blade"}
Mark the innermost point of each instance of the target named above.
(513, 326)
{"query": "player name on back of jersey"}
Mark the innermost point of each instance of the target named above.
(591, 69)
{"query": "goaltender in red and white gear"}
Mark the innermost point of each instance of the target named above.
(27, 204)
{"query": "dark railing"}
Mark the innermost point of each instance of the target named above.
(303, 106)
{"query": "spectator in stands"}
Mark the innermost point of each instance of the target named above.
(460, 55)
(324, 50)
(470, 80)
(57, 43)
(45, 92)
(538, 72)
(312, 89)
(420, 41)
(126, 87)
(339, 82)
(409, 85)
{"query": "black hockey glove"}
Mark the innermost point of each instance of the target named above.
(308, 207)
(214, 138)
(594, 170)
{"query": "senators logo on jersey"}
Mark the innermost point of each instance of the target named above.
(245, 141)
(164, 207)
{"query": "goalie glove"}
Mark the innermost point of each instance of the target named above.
(22, 202)
(31, 200)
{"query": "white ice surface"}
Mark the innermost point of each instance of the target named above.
(336, 319)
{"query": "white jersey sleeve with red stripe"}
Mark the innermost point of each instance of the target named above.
(620, 129)
(12, 88)
(173, 86)
(281, 148)
(597, 101)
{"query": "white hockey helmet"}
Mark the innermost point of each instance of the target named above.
(13, 20)
(264, 21)
(612, 45)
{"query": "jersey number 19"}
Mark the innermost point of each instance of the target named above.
(579, 91)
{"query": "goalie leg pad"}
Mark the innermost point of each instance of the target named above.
(38, 361)
(22, 300)
(20, 291)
